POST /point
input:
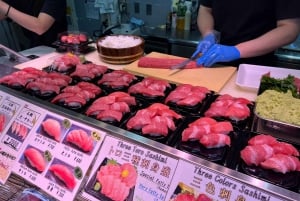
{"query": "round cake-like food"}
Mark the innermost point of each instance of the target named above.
(120, 48)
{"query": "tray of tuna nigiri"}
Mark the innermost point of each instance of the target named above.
(151, 90)
(113, 181)
(73, 41)
(208, 138)
(237, 110)
(117, 80)
(157, 122)
(113, 108)
(271, 159)
(189, 99)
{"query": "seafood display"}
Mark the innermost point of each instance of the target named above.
(112, 107)
(35, 159)
(81, 140)
(19, 79)
(64, 174)
(265, 151)
(156, 120)
(208, 132)
(150, 87)
(233, 108)
(187, 95)
(76, 96)
(88, 72)
(65, 63)
(73, 38)
(117, 79)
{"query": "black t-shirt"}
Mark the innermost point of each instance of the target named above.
(243, 20)
(54, 8)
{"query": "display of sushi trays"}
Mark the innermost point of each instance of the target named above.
(82, 130)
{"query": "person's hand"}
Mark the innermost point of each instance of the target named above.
(204, 44)
(218, 53)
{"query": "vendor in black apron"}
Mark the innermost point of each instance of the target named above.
(249, 31)
(41, 20)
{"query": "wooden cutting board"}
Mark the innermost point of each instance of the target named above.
(212, 78)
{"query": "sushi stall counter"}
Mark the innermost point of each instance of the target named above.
(155, 171)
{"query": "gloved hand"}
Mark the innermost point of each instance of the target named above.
(218, 53)
(204, 44)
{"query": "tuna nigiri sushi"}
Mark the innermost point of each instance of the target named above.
(64, 174)
(52, 128)
(81, 139)
(35, 159)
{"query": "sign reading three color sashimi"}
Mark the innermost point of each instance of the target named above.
(58, 155)
(126, 172)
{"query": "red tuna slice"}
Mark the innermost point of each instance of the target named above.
(119, 190)
(142, 118)
(75, 101)
(153, 62)
(81, 139)
(120, 106)
(285, 148)
(97, 69)
(155, 129)
(109, 169)
(203, 121)
(123, 97)
(12, 80)
(84, 74)
(35, 159)
(110, 115)
(141, 89)
(255, 154)
(57, 81)
(61, 97)
(223, 127)
(64, 174)
(281, 163)
(95, 109)
(262, 139)
(184, 197)
(32, 70)
(43, 87)
(190, 100)
(215, 140)
(128, 174)
(2, 122)
(237, 112)
(195, 132)
(203, 197)
(55, 75)
(52, 127)
(85, 94)
(89, 87)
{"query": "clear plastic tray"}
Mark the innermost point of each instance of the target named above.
(249, 76)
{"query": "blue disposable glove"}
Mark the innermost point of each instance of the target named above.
(204, 44)
(218, 53)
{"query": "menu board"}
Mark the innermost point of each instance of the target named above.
(199, 180)
(58, 155)
(126, 171)
(45, 148)
(10, 142)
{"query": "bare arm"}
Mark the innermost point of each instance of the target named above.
(205, 20)
(285, 33)
(39, 24)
